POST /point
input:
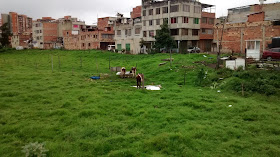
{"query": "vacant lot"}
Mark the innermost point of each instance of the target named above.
(76, 116)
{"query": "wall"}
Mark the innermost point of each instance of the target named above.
(50, 34)
(133, 39)
(256, 17)
(136, 12)
(235, 35)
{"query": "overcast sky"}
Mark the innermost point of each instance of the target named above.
(89, 10)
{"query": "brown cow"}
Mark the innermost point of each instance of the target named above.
(140, 79)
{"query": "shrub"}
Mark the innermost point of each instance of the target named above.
(34, 150)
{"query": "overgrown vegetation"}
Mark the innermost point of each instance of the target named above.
(250, 81)
(76, 116)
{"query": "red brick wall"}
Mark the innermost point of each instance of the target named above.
(102, 23)
(50, 32)
(256, 17)
(251, 31)
(14, 22)
(136, 12)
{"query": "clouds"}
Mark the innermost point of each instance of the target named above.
(89, 10)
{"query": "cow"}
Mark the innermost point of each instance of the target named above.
(123, 72)
(139, 80)
(133, 71)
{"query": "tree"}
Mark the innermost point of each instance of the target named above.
(4, 38)
(164, 40)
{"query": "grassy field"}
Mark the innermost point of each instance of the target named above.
(75, 116)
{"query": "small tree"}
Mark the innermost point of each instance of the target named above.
(4, 38)
(164, 39)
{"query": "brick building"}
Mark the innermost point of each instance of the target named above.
(207, 23)
(91, 37)
(255, 33)
(21, 28)
(45, 33)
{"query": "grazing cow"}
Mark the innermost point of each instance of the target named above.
(140, 79)
(133, 71)
(123, 72)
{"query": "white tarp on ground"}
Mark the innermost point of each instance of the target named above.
(235, 64)
(19, 48)
(151, 87)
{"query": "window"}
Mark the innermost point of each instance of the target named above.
(165, 10)
(119, 47)
(186, 8)
(197, 9)
(157, 11)
(196, 20)
(41, 31)
(144, 34)
(144, 13)
(151, 22)
(165, 20)
(83, 44)
(203, 31)
(151, 12)
(119, 32)
(185, 20)
(195, 32)
(127, 47)
(144, 23)
(137, 30)
(174, 31)
(210, 31)
(174, 8)
(174, 20)
(128, 32)
(88, 44)
(204, 20)
(158, 21)
(185, 31)
(210, 21)
(151, 33)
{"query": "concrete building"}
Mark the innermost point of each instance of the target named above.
(254, 34)
(183, 17)
(240, 14)
(128, 32)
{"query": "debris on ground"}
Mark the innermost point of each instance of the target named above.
(162, 63)
(168, 59)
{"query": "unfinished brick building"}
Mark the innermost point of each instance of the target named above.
(255, 33)
(206, 35)
(45, 33)
(91, 37)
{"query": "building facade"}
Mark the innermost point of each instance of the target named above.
(86, 37)
(21, 28)
(183, 17)
(45, 33)
(128, 33)
(255, 33)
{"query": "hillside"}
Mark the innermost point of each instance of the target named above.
(76, 116)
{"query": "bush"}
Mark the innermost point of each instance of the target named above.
(34, 150)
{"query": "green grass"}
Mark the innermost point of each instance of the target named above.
(75, 116)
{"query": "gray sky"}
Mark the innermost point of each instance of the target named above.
(89, 10)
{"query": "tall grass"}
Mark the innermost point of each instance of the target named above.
(76, 116)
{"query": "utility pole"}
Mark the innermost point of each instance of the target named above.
(219, 52)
